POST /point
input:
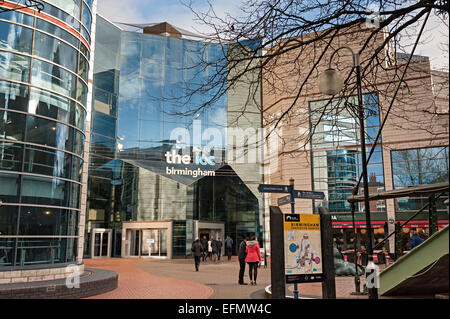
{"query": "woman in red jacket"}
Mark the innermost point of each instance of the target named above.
(253, 258)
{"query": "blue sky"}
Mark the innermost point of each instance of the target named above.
(173, 11)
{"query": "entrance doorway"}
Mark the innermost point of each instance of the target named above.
(208, 229)
(146, 243)
(101, 239)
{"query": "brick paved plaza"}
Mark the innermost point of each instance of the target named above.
(177, 279)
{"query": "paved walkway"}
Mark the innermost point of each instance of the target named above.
(177, 279)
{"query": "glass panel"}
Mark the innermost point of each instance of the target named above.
(47, 221)
(104, 124)
(89, 3)
(105, 242)
(77, 167)
(51, 105)
(18, 17)
(14, 37)
(83, 68)
(80, 116)
(12, 125)
(86, 18)
(45, 251)
(7, 246)
(13, 96)
(14, 67)
(75, 193)
(179, 238)
(78, 146)
(85, 34)
(102, 146)
(54, 78)
(49, 133)
(9, 192)
(84, 50)
(82, 92)
(56, 51)
(11, 156)
(57, 31)
(48, 162)
(45, 191)
(70, 6)
(97, 243)
(131, 44)
(8, 221)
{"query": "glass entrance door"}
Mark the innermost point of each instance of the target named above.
(154, 242)
(101, 242)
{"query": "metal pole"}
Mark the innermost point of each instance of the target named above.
(432, 216)
(291, 190)
(326, 234)
(355, 254)
(277, 275)
(373, 293)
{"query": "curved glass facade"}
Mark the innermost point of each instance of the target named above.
(43, 105)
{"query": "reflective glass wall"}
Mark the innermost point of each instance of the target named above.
(43, 94)
(141, 111)
(336, 158)
(419, 166)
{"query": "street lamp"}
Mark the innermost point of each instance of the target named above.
(331, 83)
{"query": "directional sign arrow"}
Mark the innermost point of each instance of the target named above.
(267, 188)
(284, 200)
(309, 194)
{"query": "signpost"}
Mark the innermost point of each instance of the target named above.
(304, 238)
(284, 200)
(267, 188)
(309, 195)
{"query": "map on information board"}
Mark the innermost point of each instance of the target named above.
(303, 248)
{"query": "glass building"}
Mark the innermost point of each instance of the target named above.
(44, 76)
(141, 201)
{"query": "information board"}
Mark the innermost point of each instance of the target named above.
(303, 248)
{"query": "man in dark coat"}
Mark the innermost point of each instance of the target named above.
(204, 242)
(219, 253)
(241, 255)
(197, 250)
(215, 248)
(228, 247)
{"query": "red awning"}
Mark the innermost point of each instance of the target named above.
(380, 224)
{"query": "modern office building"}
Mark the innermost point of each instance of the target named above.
(45, 57)
(413, 148)
(151, 193)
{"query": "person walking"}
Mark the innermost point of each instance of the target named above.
(204, 242)
(210, 247)
(197, 249)
(229, 247)
(253, 259)
(214, 249)
(241, 256)
(219, 252)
